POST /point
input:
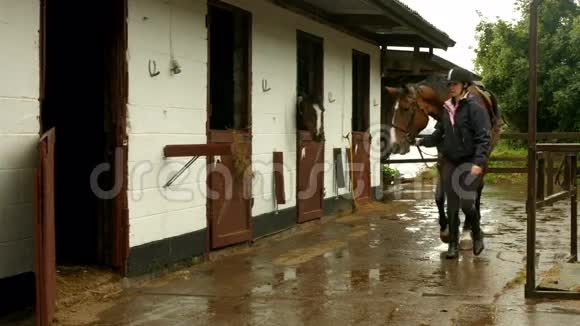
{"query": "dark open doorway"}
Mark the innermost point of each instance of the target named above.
(83, 96)
(360, 91)
(229, 67)
(310, 65)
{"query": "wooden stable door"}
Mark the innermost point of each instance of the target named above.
(360, 170)
(44, 232)
(229, 195)
(310, 192)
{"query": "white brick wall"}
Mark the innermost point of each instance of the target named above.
(170, 109)
(273, 113)
(166, 109)
(19, 85)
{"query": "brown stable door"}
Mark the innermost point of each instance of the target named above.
(360, 140)
(360, 169)
(310, 178)
(228, 196)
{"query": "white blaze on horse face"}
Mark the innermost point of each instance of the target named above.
(393, 132)
(318, 119)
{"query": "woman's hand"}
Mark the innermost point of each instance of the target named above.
(476, 170)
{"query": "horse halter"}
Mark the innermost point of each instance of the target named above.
(414, 107)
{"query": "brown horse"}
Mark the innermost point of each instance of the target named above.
(415, 103)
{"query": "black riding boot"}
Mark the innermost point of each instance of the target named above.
(477, 238)
(478, 244)
(476, 234)
(453, 250)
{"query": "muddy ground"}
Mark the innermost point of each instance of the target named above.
(383, 265)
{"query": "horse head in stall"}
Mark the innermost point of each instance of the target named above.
(311, 116)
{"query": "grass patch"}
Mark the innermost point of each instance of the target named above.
(516, 281)
(505, 148)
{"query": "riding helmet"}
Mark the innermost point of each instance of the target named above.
(459, 75)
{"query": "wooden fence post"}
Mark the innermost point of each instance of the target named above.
(541, 173)
(550, 174)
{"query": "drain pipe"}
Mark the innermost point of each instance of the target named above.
(351, 163)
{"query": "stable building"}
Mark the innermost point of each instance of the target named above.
(99, 131)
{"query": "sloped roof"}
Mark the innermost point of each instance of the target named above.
(423, 20)
(407, 66)
(384, 22)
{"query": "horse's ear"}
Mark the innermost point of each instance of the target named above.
(410, 90)
(393, 91)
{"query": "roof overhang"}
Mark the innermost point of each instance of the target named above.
(405, 66)
(383, 22)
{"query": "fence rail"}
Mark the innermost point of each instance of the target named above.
(553, 152)
(542, 135)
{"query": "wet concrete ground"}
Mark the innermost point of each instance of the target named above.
(384, 265)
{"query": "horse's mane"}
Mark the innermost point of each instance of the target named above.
(437, 83)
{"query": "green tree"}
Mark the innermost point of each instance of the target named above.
(502, 61)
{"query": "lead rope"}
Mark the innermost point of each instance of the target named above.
(422, 157)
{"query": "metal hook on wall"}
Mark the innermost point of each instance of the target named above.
(265, 87)
(175, 68)
(153, 68)
(330, 98)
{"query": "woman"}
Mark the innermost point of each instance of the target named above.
(464, 137)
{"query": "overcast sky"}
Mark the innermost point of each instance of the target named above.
(458, 19)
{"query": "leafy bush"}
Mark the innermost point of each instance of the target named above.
(390, 173)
